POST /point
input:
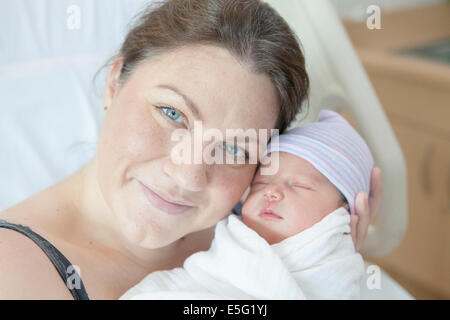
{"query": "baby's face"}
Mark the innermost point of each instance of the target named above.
(290, 201)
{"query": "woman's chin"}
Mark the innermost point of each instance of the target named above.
(145, 235)
(138, 226)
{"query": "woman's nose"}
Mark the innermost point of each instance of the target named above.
(191, 177)
(273, 193)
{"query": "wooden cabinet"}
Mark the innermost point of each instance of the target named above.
(415, 94)
(423, 258)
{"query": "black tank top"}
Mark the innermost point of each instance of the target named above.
(65, 269)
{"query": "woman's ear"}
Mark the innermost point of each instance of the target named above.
(112, 81)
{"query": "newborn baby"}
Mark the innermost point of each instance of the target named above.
(293, 240)
(297, 197)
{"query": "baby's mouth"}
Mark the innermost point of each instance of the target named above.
(269, 214)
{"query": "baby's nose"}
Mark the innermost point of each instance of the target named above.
(271, 193)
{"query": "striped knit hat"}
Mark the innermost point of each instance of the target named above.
(334, 148)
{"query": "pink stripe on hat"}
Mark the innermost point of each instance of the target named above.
(334, 148)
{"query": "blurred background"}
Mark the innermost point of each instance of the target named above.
(408, 62)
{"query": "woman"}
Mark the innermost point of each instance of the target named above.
(226, 63)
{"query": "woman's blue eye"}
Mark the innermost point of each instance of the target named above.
(173, 114)
(235, 151)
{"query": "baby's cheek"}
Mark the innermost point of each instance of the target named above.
(249, 205)
(245, 207)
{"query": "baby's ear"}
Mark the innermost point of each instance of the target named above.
(346, 206)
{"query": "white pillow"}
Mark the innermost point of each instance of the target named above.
(51, 111)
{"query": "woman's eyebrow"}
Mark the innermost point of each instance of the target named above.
(191, 105)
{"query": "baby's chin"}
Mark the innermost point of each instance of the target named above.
(262, 230)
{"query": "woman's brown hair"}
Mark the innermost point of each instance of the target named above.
(250, 30)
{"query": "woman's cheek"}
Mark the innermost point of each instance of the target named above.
(138, 136)
(234, 184)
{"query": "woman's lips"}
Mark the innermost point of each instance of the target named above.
(269, 215)
(157, 201)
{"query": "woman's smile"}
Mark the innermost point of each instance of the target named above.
(164, 203)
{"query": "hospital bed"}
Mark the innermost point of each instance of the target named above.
(51, 105)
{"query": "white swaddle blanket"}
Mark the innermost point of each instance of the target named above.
(318, 263)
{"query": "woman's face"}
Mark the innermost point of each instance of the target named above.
(134, 150)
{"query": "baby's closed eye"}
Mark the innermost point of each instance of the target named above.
(302, 186)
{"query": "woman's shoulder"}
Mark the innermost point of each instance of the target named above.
(25, 270)
(41, 212)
